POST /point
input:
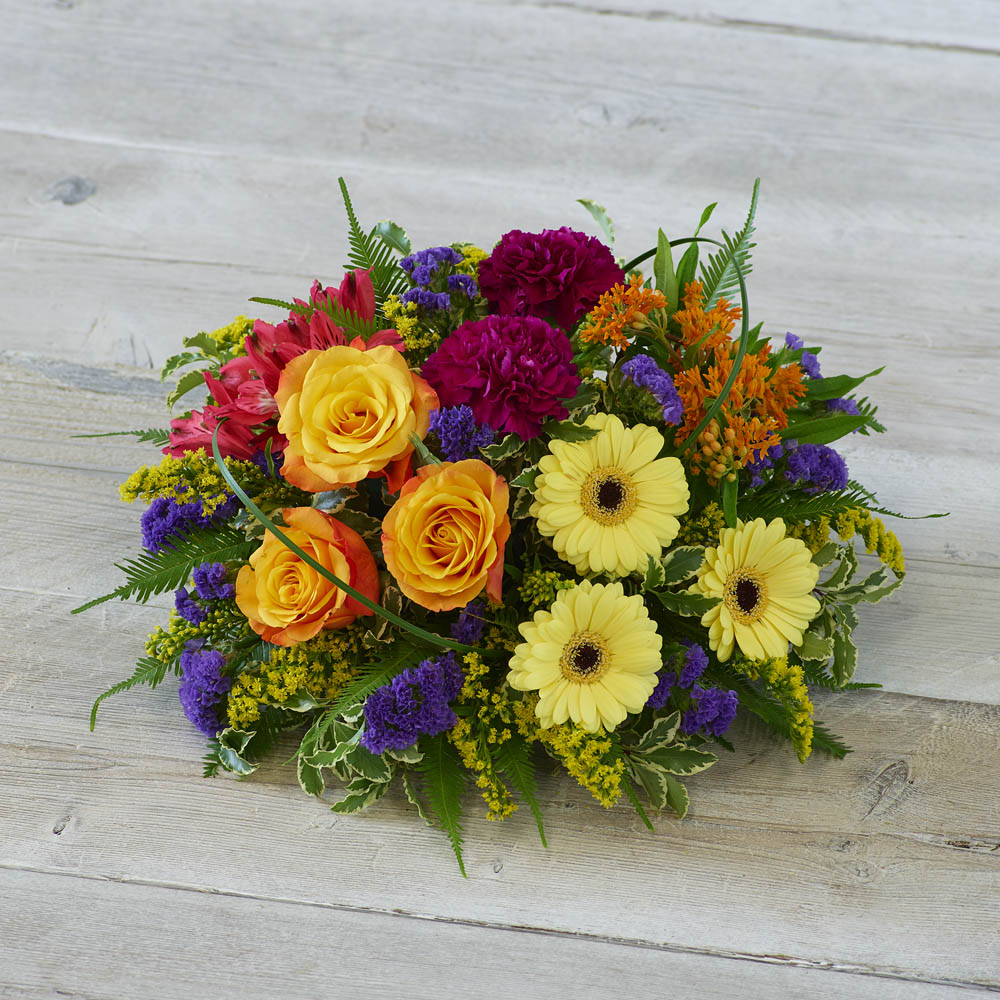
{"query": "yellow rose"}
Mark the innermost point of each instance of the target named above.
(443, 539)
(285, 600)
(348, 414)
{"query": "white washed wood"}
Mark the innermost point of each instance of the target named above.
(197, 944)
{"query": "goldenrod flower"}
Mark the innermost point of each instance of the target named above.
(607, 503)
(763, 581)
(592, 658)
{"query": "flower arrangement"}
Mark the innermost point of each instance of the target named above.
(470, 510)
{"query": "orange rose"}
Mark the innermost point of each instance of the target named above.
(443, 539)
(348, 414)
(285, 600)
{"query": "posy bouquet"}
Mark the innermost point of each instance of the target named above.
(468, 510)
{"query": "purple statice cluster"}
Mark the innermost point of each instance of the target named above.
(763, 462)
(211, 584)
(203, 686)
(844, 405)
(816, 468)
(166, 519)
(809, 361)
(460, 436)
(414, 703)
(470, 624)
(430, 271)
(260, 460)
(647, 374)
(711, 709)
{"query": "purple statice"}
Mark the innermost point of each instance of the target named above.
(430, 258)
(647, 374)
(464, 284)
(413, 703)
(661, 693)
(694, 664)
(188, 608)
(712, 709)
(460, 436)
(427, 300)
(203, 686)
(809, 362)
(763, 462)
(470, 624)
(843, 405)
(211, 584)
(167, 518)
(260, 460)
(816, 468)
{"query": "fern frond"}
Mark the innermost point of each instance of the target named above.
(802, 507)
(148, 671)
(444, 782)
(152, 435)
(719, 276)
(153, 573)
(514, 762)
(368, 252)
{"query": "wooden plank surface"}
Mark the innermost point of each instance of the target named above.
(161, 163)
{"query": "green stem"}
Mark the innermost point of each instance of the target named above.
(430, 637)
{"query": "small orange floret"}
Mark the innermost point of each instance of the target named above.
(621, 308)
(706, 329)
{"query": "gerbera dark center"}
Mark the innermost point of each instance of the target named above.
(747, 596)
(610, 495)
(586, 659)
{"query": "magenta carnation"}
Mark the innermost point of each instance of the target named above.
(555, 274)
(514, 372)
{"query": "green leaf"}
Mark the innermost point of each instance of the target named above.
(279, 303)
(682, 563)
(153, 573)
(361, 793)
(653, 781)
(815, 647)
(513, 760)
(527, 478)
(176, 361)
(655, 578)
(502, 449)
(630, 794)
(414, 797)
(837, 386)
(822, 430)
(300, 701)
(231, 750)
(826, 555)
(719, 276)
(686, 270)
(588, 396)
(845, 658)
(310, 777)
(148, 671)
(367, 764)
(187, 382)
(521, 508)
(444, 782)
(423, 452)
(677, 796)
(393, 236)
(705, 216)
(691, 605)
(205, 342)
(153, 435)
(365, 525)
(330, 758)
(844, 572)
(729, 494)
(663, 268)
(660, 733)
(330, 501)
(601, 217)
(407, 755)
(566, 430)
(679, 759)
(368, 252)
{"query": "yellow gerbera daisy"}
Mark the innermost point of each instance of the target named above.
(607, 503)
(763, 580)
(592, 658)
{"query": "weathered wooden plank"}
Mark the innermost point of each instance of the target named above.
(967, 27)
(885, 863)
(200, 944)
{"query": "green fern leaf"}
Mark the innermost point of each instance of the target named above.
(444, 782)
(152, 435)
(148, 671)
(719, 277)
(513, 760)
(153, 573)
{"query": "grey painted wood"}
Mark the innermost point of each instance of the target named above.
(160, 163)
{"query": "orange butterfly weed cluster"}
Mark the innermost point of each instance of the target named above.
(624, 307)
